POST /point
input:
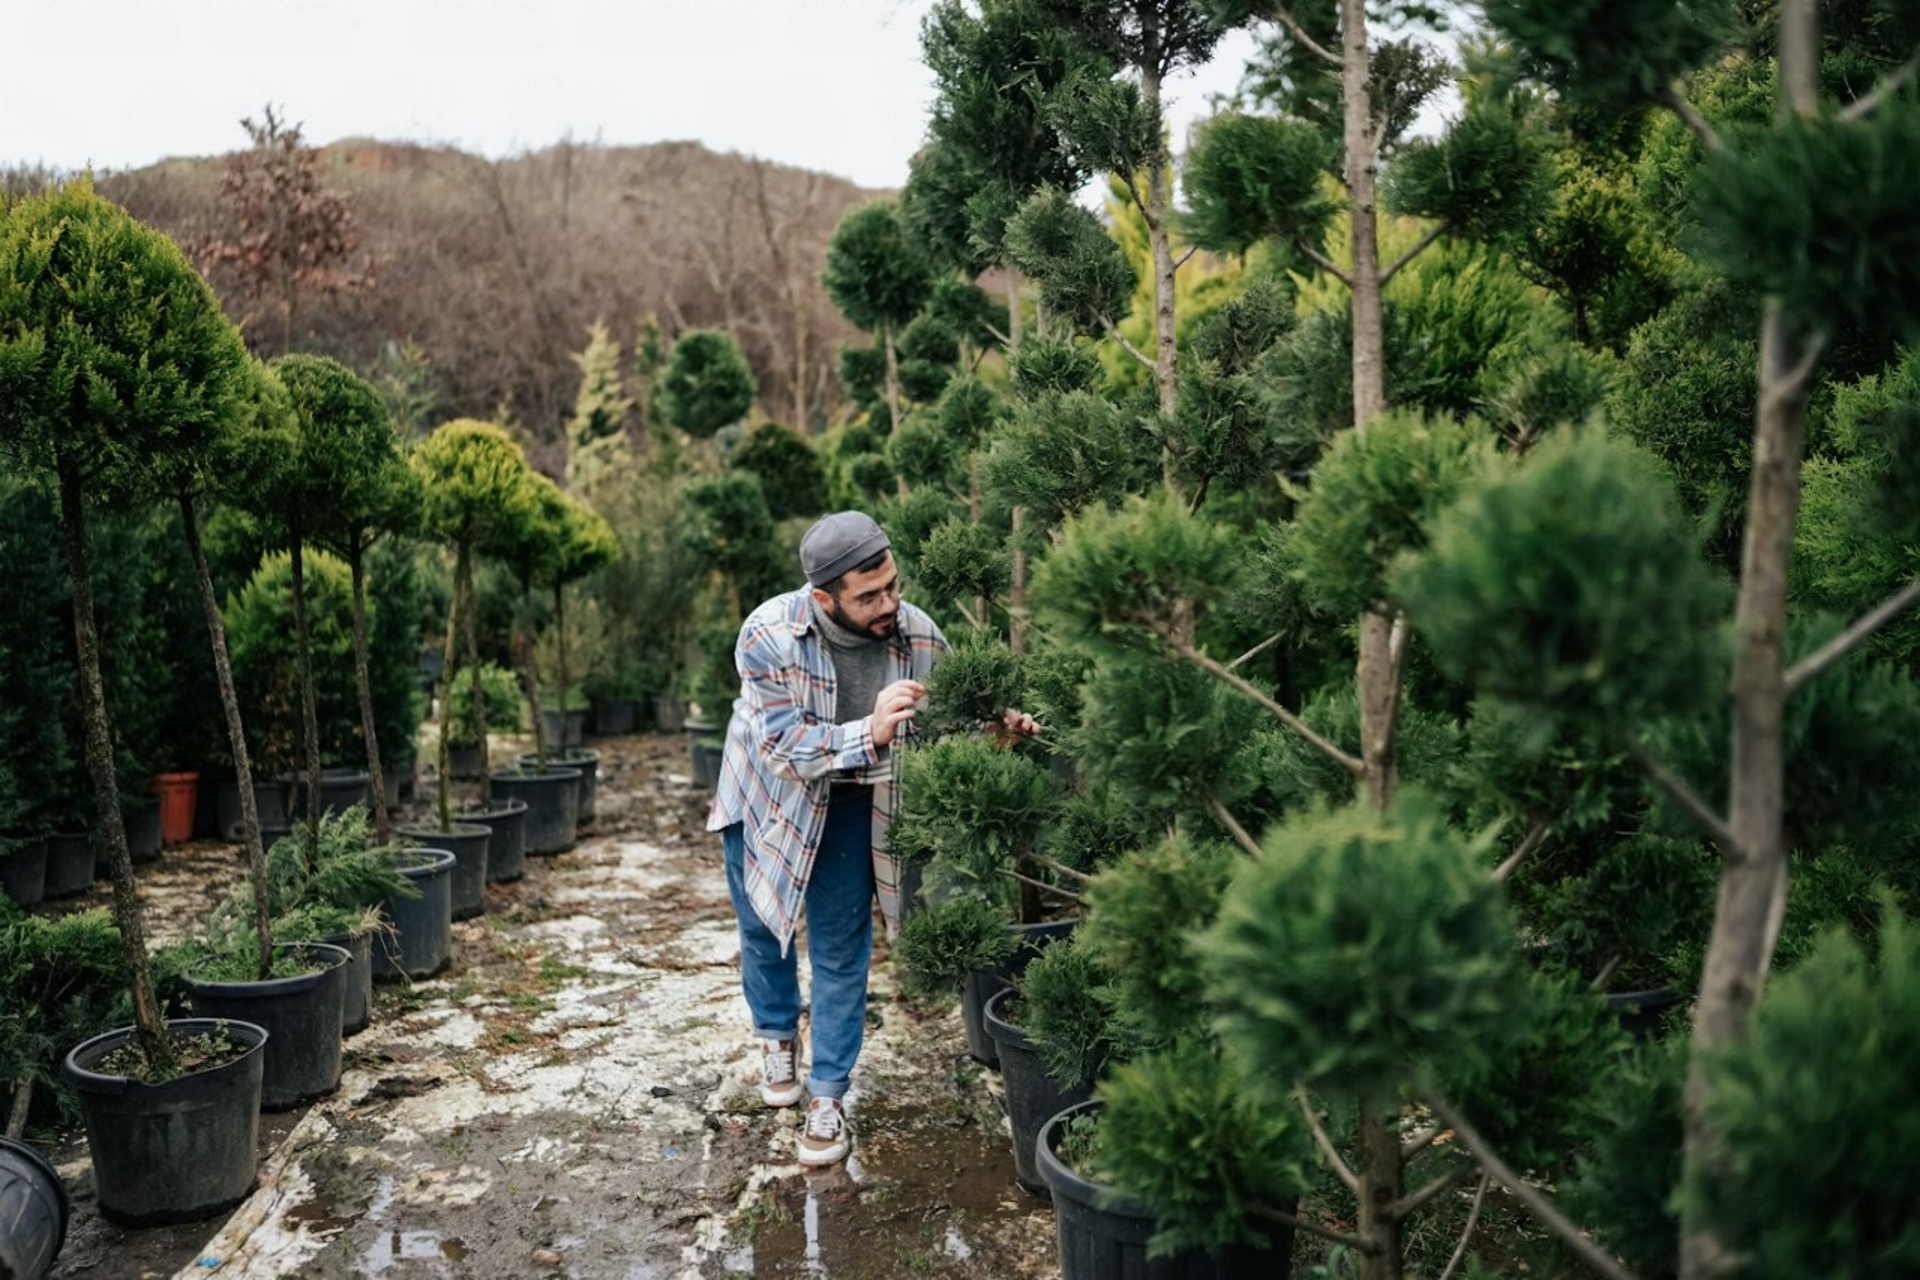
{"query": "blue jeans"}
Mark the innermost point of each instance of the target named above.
(839, 915)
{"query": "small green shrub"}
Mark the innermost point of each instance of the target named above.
(506, 709)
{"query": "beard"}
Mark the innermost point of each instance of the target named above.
(879, 628)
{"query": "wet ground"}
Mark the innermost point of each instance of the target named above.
(574, 1097)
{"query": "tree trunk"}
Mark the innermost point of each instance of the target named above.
(1158, 176)
(464, 573)
(449, 671)
(22, 1103)
(363, 680)
(1016, 322)
(1753, 880)
(560, 634)
(530, 677)
(236, 736)
(150, 1028)
(1369, 342)
(893, 393)
(1382, 1179)
(984, 602)
(309, 714)
(1017, 604)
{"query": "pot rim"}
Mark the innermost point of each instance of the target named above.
(272, 988)
(45, 1166)
(88, 1080)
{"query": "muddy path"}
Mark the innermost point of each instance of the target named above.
(575, 1096)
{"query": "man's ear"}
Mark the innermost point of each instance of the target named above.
(823, 597)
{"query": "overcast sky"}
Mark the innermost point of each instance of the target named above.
(835, 85)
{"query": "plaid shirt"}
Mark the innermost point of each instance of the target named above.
(783, 747)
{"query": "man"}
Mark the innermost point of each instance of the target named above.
(829, 678)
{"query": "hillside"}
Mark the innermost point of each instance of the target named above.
(496, 268)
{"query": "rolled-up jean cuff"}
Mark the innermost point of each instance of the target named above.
(826, 1088)
(763, 1034)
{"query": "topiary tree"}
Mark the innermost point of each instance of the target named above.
(790, 471)
(473, 480)
(352, 457)
(707, 383)
(878, 274)
(113, 353)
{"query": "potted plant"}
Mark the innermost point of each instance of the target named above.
(166, 368)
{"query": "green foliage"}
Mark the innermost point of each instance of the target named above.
(960, 561)
(863, 372)
(1068, 454)
(707, 383)
(1461, 314)
(602, 408)
(911, 519)
(345, 474)
(1374, 496)
(1083, 275)
(1123, 578)
(730, 529)
(506, 709)
(34, 669)
(922, 453)
(473, 477)
(1486, 178)
(976, 807)
(876, 272)
(1528, 393)
(61, 981)
(1168, 733)
(115, 359)
(1249, 178)
(1224, 434)
(1143, 914)
(1815, 212)
(1570, 583)
(260, 637)
(968, 412)
(1066, 1010)
(1043, 364)
(1189, 1134)
(1535, 1084)
(1613, 53)
(1627, 1180)
(939, 946)
(1323, 979)
(1593, 248)
(1096, 827)
(1824, 1181)
(978, 679)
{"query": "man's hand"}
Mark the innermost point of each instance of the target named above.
(893, 708)
(1012, 726)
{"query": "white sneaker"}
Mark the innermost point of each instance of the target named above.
(780, 1073)
(826, 1138)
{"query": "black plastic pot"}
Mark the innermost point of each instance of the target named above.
(613, 716)
(356, 1009)
(173, 1152)
(269, 802)
(69, 864)
(704, 757)
(1642, 1014)
(552, 798)
(463, 760)
(301, 1015)
(141, 820)
(340, 790)
(467, 842)
(507, 849)
(586, 761)
(983, 985)
(576, 728)
(33, 1212)
(1033, 1097)
(23, 871)
(421, 942)
(1103, 1235)
(669, 714)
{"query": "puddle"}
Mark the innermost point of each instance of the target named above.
(918, 1197)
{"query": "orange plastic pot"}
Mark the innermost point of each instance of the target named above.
(179, 793)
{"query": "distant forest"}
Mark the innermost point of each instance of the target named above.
(494, 270)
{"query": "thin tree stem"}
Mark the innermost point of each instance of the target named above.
(1686, 797)
(1341, 1169)
(1410, 1203)
(1852, 638)
(1536, 1203)
(1420, 246)
(1325, 263)
(1058, 868)
(1860, 108)
(1307, 42)
(1299, 1223)
(22, 1103)
(1466, 1236)
(1348, 762)
(1054, 889)
(1121, 338)
(1256, 651)
(1534, 839)
(363, 683)
(1238, 832)
(1675, 101)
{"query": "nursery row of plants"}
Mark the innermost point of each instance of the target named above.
(1462, 580)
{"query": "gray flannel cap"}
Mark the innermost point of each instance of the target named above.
(839, 542)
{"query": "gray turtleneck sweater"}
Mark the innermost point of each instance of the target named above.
(859, 667)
